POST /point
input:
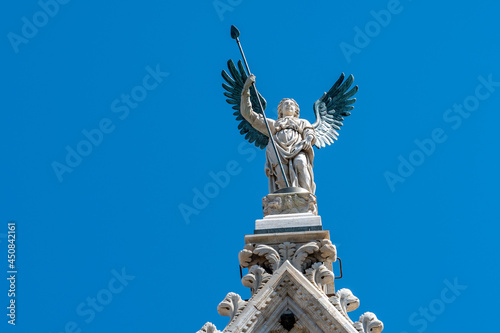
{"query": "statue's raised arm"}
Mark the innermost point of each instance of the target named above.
(255, 119)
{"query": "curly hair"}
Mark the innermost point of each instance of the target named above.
(280, 114)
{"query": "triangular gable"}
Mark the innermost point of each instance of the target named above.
(289, 289)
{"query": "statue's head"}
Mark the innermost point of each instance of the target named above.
(288, 107)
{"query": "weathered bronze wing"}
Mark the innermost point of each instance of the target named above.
(233, 89)
(330, 110)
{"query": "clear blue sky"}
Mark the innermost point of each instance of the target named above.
(113, 117)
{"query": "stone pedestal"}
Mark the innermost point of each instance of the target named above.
(289, 203)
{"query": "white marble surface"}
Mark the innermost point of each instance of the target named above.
(288, 221)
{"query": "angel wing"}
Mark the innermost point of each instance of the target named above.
(331, 109)
(233, 93)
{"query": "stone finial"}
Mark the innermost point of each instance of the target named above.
(209, 328)
(231, 305)
(255, 278)
(368, 323)
(319, 275)
(345, 301)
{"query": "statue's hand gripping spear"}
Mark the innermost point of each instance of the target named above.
(235, 34)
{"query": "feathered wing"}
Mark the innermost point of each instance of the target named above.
(233, 88)
(331, 109)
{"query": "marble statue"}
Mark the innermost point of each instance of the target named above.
(293, 137)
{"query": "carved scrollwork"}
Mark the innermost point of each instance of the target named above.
(271, 255)
(368, 323)
(310, 253)
(262, 255)
(328, 251)
(302, 258)
(209, 328)
(231, 305)
(256, 278)
(345, 301)
(299, 259)
(245, 255)
(319, 275)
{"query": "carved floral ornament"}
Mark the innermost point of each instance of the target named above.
(301, 258)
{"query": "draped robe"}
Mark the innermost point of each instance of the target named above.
(289, 134)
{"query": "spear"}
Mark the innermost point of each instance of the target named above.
(235, 34)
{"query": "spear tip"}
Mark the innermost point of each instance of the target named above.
(235, 33)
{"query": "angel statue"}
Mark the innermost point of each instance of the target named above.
(293, 137)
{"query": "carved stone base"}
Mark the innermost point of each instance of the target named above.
(289, 203)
